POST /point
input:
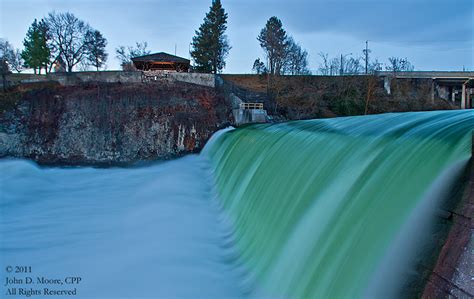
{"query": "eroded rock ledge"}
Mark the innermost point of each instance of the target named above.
(110, 123)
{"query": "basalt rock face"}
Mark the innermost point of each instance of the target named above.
(111, 123)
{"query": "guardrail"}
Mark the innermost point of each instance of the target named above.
(251, 106)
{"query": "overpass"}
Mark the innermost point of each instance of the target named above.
(455, 86)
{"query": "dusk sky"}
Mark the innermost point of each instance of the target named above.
(432, 34)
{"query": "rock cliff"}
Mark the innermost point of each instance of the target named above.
(110, 123)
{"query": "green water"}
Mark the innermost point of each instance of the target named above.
(317, 204)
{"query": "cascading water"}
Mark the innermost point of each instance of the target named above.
(305, 209)
(317, 204)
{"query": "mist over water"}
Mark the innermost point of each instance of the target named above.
(153, 232)
(305, 209)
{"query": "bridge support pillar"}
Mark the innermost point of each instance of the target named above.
(463, 97)
(386, 84)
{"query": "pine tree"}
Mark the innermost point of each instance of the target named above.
(97, 55)
(274, 41)
(210, 45)
(36, 53)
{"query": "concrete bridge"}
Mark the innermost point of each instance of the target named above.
(449, 85)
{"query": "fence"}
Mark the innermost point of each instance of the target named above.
(251, 106)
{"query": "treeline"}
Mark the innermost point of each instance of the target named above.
(62, 42)
(283, 55)
(350, 65)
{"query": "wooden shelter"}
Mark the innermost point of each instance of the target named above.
(161, 62)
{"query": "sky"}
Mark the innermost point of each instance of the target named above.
(432, 34)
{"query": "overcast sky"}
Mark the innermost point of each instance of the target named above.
(432, 34)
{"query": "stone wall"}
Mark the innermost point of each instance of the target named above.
(105, 77)
(75, 78)
(195, 78)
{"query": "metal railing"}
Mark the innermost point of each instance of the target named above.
(251, 106)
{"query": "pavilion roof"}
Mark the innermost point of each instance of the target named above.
(160, 57)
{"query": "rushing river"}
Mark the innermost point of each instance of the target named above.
(307, 209)
(147, 232)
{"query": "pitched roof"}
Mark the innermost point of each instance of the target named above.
(161, 57)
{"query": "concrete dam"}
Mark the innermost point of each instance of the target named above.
(332, 208)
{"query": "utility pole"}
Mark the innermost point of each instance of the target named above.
(366, 56)
(175, 49)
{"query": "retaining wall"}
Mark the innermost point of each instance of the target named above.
(195, 78)
(106, 76)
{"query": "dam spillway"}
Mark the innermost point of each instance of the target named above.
(303, 209)
(317, 204)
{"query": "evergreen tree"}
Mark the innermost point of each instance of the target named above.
(210, 45)
(274, 41)
(36, 53)
(97, 55)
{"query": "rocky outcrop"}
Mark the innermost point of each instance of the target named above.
(111, 123)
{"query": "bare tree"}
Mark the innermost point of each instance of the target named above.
(11, 56)
(259, 67)
(352, 66)
(396, 64)
(374, 67)
(296, 59)
(70, 38)
(125, 54)
(333, 66)
(16, 61)
(4, 67)
(324, 66)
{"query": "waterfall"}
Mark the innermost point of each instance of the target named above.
(318, 205)
(331, 208)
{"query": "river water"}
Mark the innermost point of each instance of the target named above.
(308, 209)
(146, 232)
